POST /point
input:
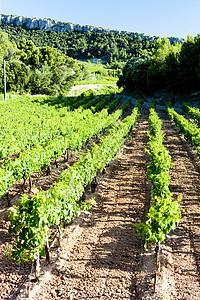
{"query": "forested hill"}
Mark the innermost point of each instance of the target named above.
(57, 26)
(80, 42)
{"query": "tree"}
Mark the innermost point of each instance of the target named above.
(189, 65)
(6, 52)
(18, 75)
(135, 73)
(7, 48)
(40, 81)
(170, 72)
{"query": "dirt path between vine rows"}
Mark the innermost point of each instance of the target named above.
(103, 261)
(102, 256)
(181, 249)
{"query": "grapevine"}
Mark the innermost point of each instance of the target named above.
(164, 214)
(189, 129)
(31, 220)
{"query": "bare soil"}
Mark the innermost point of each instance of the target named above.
(181, 249)
(101, 256)
(104, 260)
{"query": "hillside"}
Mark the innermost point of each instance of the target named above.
(173, 68)
(57, 26)
(78, 41)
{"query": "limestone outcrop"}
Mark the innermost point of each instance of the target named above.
(49, 24)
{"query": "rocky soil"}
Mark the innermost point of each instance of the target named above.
(101, 256)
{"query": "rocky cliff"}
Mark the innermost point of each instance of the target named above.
(49, 24)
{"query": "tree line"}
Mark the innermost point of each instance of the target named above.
(37, 70)
(111, 47)
(168, 67)
(41, 62)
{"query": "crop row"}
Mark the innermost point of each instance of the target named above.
(192, 111)
(164, 213)
(39, 157)
(31, 220)
(189, 129)
(24, 124)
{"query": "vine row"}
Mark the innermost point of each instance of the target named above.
(39, 157)
(32, 218)
(189, 129)
(164, 214)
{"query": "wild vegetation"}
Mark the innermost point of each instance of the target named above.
(36, 70)
(112, 48)
(46, 70)
(174, 68)
(151, 64)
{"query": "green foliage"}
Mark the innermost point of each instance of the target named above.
(31, 220)
(164, 213)
(18, 75)
(68, 129)
(110, 47)
(192, 111)
(6, 47)
(98, 89)
(163, 216)
(46, 70)
(42, 70)
(97, 73)
(124, 107)
(135, 73)
(188, 67)
(188, 127)
(172, 67)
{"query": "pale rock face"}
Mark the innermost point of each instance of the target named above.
(48, 24)
(34, 24)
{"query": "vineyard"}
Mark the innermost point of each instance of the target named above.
(99, 198)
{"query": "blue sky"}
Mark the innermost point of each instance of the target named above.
(153, 17)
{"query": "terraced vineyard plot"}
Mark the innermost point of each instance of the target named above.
(101, 258)
(103, 261)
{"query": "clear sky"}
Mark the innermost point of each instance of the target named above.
(167, 18)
